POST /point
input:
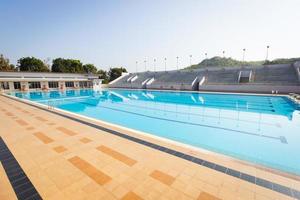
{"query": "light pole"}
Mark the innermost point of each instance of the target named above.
(145, 63)
(205, 59)
(191, 60)
(165, 64)
(154, 63)
(267, 56)
(223, 54)
(136, 66)
(244, 51)
(177, 62)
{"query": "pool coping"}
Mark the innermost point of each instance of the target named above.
(295, 101)
(195, 159)
(213, 92)
(204, 92)
(183, 91)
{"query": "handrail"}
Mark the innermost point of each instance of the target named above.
(239, 78)
(129, 78)
(194, 81)
(150, 81)
(50, 105)
(133, 78)
(117, 79)
(202, 80)
(145, 81)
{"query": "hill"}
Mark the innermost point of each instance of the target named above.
(282, 61)
(229, 62)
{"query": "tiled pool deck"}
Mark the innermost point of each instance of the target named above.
(49, 156)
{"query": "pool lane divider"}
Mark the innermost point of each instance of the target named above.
(21, 184)
(294, 193)
(282, 139)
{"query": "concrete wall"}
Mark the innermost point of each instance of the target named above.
(11, 85)
(76, 84)
(44, 85)
(170, 87)
(297, 68)
(250, 88)
(61, 85)
(24, 86)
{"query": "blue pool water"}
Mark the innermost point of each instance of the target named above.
(261, 129)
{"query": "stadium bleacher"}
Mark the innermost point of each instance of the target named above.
(273, 75)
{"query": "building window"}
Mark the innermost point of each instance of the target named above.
(84, 84)
(69, 84)
(34, 85)
(17, 85)
(53, 84)
(5, 85)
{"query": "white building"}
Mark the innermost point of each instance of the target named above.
(26, 81)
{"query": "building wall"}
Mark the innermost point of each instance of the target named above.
(24, 86)
(76, 84)
(61, 85)
(44, 79)
(11, 84)
(44, 85)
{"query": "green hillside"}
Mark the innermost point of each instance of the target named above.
(229, 62)
(282, 61)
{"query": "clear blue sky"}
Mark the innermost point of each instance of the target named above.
(119, 33)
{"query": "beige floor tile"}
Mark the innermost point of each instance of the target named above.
(131, 196)
(207, 196)
(162, 177)
(85, 140)
(117, 155)
(43, 137)
(95, 174)
(6, 190)
(66, 131)
(21, 122)
(59, 149)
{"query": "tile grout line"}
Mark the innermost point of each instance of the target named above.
(231, 172)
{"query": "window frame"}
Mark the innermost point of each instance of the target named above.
(19, 85)
(4, 85)
(53, 84)
(34, 85)
(69, 84)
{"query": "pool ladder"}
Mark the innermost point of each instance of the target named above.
(50, 105)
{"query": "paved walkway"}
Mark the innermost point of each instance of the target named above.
(65, 159)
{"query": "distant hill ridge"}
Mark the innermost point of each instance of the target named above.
(218, 61)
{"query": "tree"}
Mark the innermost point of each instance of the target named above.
(4, 64)
(89, 68)
(281, 61)
(218, 61)
(115, 72)
(103, 75)
(67, 66)
(32, 64)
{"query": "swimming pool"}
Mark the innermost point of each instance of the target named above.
(264, 130)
